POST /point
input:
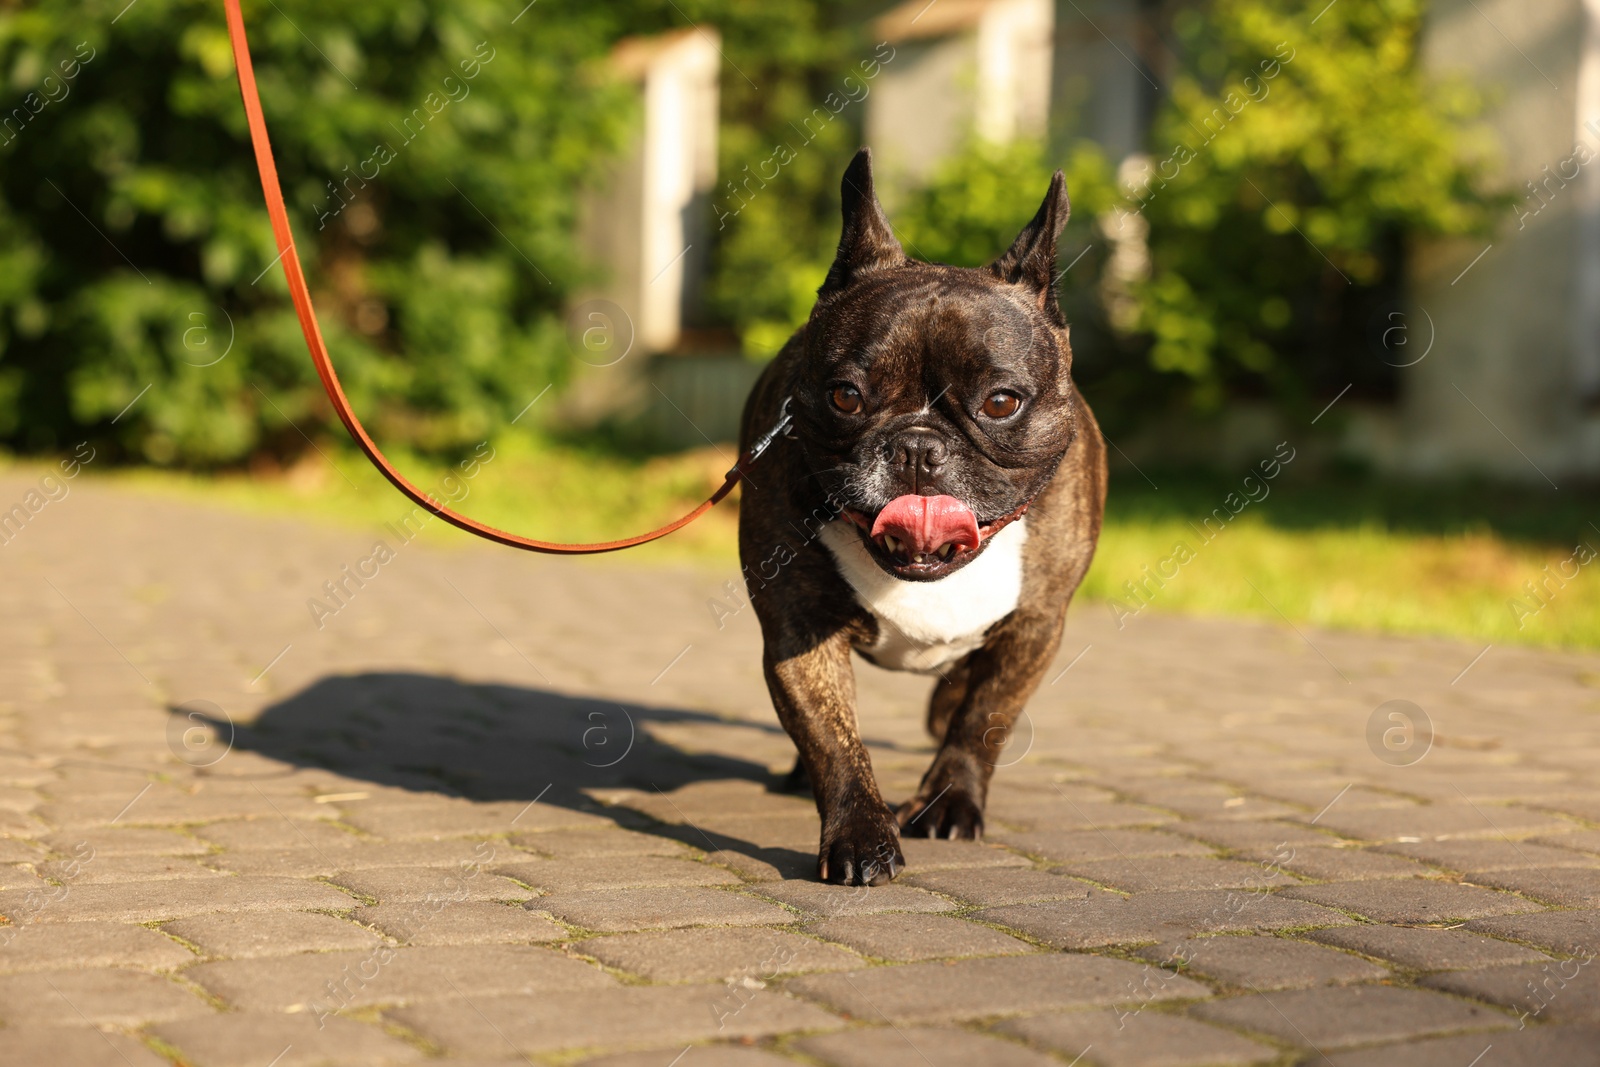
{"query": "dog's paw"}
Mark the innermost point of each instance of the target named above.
(864, 850)
(951, 812)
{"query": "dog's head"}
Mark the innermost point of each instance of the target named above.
(934, 402)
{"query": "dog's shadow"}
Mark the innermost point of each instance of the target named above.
(430, 734)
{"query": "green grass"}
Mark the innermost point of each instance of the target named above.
(1444, 559)
(540, 490)
(1336, 552)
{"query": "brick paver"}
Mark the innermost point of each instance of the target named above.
(1126, 1037)
(1263, 962)
(498, 810)
(937, 1048)
(1352, 1015)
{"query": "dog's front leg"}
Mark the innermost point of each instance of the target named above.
(999, 679)
(814, 691)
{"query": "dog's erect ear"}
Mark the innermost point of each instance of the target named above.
(866, 243)
(1031, 259)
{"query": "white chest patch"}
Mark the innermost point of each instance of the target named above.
(924, 625)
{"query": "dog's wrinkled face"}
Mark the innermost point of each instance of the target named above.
(934, 402)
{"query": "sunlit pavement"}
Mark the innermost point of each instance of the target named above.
(272, 795)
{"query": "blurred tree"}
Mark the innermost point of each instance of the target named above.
(137, 266)
(977, 202)
(791, 119)
(436, 216)
(1296, 156)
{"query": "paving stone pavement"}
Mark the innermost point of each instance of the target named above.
(485, 809)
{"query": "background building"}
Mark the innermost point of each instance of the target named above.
(647, 229)
(1515, 321)
(961, 67)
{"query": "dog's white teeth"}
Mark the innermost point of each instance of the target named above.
(946, 549)
(918, 558)
(890, 543)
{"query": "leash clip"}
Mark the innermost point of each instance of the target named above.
(764, 442)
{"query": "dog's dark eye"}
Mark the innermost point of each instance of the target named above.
(847, 398)
(1002, 405)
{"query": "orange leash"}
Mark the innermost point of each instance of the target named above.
(295, 275)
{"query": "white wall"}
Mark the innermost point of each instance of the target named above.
(1510, 383)
(648, 230)
(975, 68)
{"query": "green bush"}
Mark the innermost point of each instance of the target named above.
(1292, 167)
(777, 209)
(135, 250)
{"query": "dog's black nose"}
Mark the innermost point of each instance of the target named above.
(918, 454)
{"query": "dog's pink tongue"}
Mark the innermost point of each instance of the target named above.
(925, 523)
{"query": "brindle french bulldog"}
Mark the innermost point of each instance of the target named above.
(933, 507)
